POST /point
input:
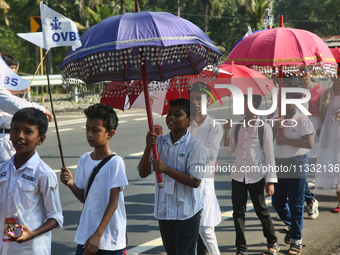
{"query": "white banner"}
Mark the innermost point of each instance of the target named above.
(9, 79)
(57, 30)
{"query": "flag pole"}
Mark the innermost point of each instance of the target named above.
(53, 113)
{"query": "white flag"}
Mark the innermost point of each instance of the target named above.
(10, 80)
(249, 32)
(57, 30)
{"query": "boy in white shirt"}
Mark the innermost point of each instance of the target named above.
(29, 192)
(102, 226)
(291, 155)
(181, 159)
(250, 154)
(210, 135)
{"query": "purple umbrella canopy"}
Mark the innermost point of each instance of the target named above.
(115, 48)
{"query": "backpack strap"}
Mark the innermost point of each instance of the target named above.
(95, 172)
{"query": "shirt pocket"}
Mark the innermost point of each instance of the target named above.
(26, 193)
(254, 141)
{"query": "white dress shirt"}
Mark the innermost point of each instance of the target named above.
(177, 201)
(9, 105)
(111, 175)
(249, 154)
(30, 194)
(210, 136)
(303, 127)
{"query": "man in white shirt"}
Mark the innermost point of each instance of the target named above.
(252, 165)
(291, 155)
(210, 135)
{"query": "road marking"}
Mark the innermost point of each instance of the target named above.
(136, 154)
(145, 118)
(62, 130)
(122, 121)
(67, 122)
(158, 241)
(145, 246)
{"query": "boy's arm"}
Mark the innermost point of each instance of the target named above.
(144, 166)
(307, 141)
(324, 100)
(67, 178)
(227, 142)
(11, 104)
(91, 245)
(213, 143)
(269, 154)
(184, 178)
(27, 234)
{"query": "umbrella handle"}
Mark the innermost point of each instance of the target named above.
(149, 115)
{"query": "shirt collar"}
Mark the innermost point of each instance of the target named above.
(181, 140)
(31, 163)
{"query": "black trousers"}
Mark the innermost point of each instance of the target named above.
(239, 200)
(180, 236)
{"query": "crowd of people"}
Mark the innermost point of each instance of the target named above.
(186, 208)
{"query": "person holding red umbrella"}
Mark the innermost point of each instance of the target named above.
(181, 161)
(291, 158)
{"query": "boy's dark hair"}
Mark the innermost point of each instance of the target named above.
(256, 98)
(105, 113)
(199, 87)
(186, 105)
(293, 82)
(34, 117)
(10, 61)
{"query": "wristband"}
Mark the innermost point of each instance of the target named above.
(227, 130)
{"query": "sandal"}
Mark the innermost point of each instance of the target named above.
(287, 237)
(238, 252)
(295, 249)
(336, 209)
(275, 246)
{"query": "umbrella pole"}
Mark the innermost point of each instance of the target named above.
(54, 117)
(149, 114)
(280, 87)
(280, 82)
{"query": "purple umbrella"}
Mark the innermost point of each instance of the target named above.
(140, 46)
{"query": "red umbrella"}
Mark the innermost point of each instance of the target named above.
(288, 47)
(336, 53)
(244, 78)
(284, 50)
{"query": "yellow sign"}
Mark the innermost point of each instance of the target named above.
(36, 24)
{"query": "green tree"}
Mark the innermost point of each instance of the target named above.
(319, 17)
(255, 10)
(210, 7)
(4, 7)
